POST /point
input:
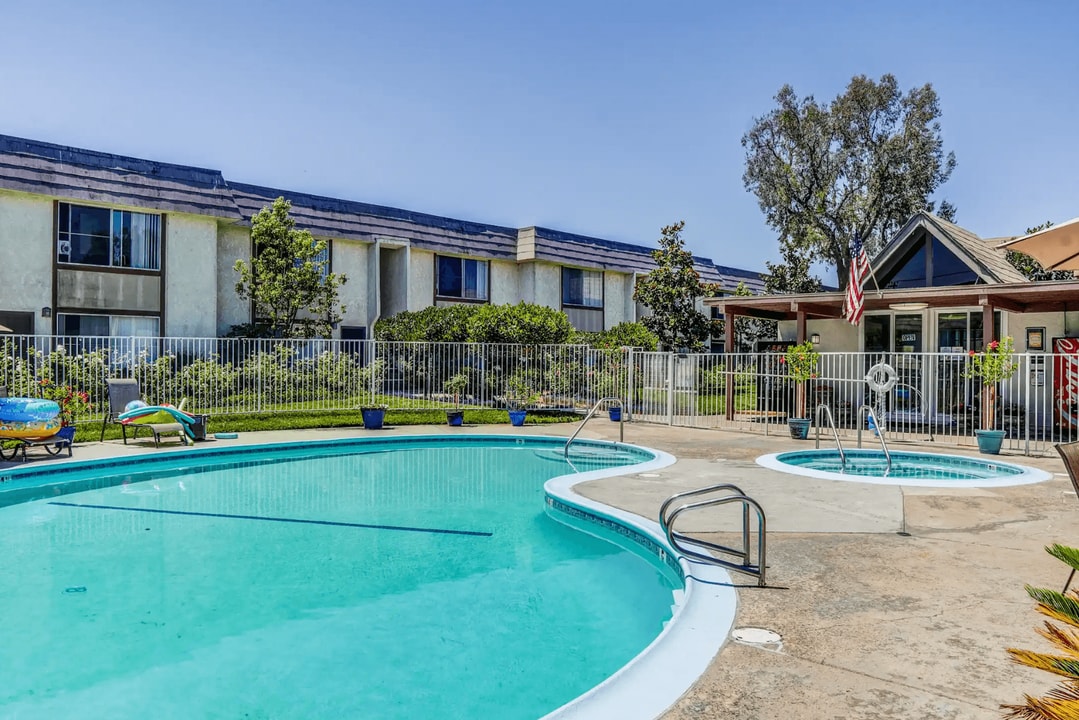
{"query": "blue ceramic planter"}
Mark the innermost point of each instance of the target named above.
(517, 417)
(373, 418)
(455, 417)
(989, 441)
(799, 428)
(615, 414)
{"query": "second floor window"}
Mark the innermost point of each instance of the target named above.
(583, 288)
(109, 238)
(461, 278)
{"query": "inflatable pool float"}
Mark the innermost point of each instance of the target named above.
(28, 418)
(158, 415)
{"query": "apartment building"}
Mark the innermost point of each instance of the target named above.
(101, 244)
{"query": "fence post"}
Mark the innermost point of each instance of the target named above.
(670, 388)
(627, 402)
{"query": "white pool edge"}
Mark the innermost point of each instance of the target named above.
(660, 674)
(1027, 476)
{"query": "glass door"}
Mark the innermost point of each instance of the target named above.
(908, 340)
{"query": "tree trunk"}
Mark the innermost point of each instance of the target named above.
(989, 407)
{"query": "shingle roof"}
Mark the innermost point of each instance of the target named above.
(990, 263)
(43, 168)
(56, 170)
(981, 251)
(350, 220)
(562, 247)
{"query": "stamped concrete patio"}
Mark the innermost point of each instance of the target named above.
(874, 624)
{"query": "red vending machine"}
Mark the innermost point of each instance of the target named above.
(1066, 383)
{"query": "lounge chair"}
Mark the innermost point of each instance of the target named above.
(122, 392)
(1069, 453)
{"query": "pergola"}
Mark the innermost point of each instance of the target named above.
(1014, 297)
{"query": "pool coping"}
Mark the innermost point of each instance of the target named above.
(1026, 476)
(703, 611)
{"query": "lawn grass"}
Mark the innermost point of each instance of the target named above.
(298, 420)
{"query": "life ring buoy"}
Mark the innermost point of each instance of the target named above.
(881, 378)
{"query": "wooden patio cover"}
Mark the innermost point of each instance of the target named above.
(1013, 297)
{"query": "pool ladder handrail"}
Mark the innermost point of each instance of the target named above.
(823, 409)
(678, 541)
(880, 434)
(621, 421)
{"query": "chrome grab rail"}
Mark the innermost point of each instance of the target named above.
(880, 434)
(679, 540)
(621, 421)
(827, 411)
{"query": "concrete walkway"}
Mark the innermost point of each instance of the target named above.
(874, 624)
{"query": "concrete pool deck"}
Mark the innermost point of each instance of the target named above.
(874, 624)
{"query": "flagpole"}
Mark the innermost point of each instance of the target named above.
(880, 293)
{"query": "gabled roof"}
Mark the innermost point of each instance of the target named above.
(47, 169)
(351, 220)
(981, 256)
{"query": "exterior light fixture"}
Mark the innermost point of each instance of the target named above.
(909, 306)
(815, 338)
(46, 312)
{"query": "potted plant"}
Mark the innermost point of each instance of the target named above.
(995, 364)
(519, 397)
(611, 383)
(456, 385)
(73, 404)
(801, 362)
(374, 414)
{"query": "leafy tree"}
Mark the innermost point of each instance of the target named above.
(792, 274)
(288, 279)
(1031, 267)
(671, 292)
(858, 166)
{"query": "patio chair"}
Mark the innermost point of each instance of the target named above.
(121, 392)
(1069, 453)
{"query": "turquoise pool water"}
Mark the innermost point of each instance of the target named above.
(907, 468)
(337, 580)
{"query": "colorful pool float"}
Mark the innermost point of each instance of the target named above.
(28, 418)
(157, 415)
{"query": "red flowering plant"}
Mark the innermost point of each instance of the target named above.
(995, 364)
(73, 403)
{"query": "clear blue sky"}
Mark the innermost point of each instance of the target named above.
(603, 118)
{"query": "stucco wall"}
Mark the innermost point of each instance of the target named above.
(548, 285)
(421, 280)
(526, 281)
(26, 227)
(350, 259)
(395, 280)
(505, 284)
(233, 243)
(616, 287)
(191, 270)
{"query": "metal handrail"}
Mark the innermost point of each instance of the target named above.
(621, 421)
(835, 433)
(880, 434)
(679, 540)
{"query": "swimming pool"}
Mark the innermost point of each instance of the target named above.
(415, 577)
(908, 468)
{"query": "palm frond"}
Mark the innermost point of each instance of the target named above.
(1061, 703)
(1056, 664)
(1064, 639)
(1056, 605)
(1067, 555)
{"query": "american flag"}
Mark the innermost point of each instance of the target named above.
(859, 268)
